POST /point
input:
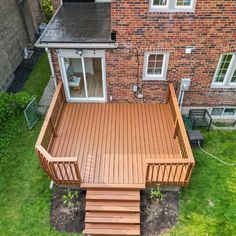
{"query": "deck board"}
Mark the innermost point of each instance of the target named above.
(112, 141)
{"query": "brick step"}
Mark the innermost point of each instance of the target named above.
(113, 217)
(111, 229)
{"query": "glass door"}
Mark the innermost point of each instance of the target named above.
(84, 77)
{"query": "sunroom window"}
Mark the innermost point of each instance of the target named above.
(172, 5)
(155, 66)
(225, 75)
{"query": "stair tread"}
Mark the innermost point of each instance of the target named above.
(112, 217)
(92, 196)
(112, 203)
(109, 187)
(112, 212)
(116, 192)
(112, 229)
(112, 208)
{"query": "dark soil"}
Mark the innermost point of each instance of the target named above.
(23, 71)
(62, 217)
(158, 216)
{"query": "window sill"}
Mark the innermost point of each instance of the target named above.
(217, 86)
(171, 10)
(154, 79)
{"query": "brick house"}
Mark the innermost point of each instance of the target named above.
(19, 23)
(162, 31)
(114, 126)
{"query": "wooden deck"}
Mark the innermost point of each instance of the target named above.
(112, 141)
(121, 145)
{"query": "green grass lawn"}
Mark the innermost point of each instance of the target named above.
(24, 188)
(39, 77)
(208, 205)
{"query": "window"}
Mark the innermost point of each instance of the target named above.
(225, 75)
(225, 112)
(155, 66)
(172, 5)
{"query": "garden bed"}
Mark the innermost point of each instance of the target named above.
(158, 215)
(63, 217)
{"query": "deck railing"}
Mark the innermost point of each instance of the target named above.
(62, 170)
(173, 171)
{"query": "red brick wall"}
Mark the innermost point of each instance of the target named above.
(211, 29)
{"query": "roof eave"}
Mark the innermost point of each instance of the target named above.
(76, 45)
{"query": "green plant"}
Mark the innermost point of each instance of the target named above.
(22, 99)
(12, 105)
(70, 199)
(156, 193)
(47, 9)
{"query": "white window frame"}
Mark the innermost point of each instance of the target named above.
(222, 115)
(162, 76)
(228, 77)
(171, 6)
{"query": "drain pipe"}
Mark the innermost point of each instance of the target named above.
(51, 67)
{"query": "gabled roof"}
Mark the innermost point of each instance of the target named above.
(80, 23)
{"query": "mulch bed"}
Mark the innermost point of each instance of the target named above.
(158, 216)
(62, 217)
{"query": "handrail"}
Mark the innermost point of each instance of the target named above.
(172, 171)
(167, 161)
(53, 114)
(62, 170)
(179, 130)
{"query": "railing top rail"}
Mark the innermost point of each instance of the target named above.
(49, 158)
(172, 95)
(49, 113)
(169, 161)
(54, 100)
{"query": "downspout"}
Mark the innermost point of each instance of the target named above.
(51, 67)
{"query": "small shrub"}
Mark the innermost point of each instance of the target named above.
(156, 193)
(22, 99)
(12, 105)
(47, 9)
(70, 199)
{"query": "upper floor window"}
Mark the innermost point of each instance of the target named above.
(155, 66)
(172, 5)
(225, 75)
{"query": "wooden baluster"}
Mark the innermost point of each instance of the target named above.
(147, 171)
(53, 128)
(176, 129)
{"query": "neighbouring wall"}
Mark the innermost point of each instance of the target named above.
(16, 34)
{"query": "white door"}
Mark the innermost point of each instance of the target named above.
(83, 73)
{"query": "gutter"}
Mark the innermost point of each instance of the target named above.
(76, 45)
(51, 67)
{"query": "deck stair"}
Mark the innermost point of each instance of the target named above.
(112, 212)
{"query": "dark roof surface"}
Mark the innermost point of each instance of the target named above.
(80, 23)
